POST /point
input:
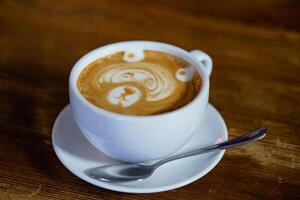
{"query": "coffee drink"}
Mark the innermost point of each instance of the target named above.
(144, 83)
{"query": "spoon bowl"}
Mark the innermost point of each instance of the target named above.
(121, 172)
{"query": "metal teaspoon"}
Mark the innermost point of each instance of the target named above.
(137, 171)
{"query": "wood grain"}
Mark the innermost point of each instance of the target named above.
(255, 46)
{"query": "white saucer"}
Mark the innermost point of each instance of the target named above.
(78, 155)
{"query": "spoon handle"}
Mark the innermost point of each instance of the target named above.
(251, 136)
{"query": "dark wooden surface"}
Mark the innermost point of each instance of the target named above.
(255, 46)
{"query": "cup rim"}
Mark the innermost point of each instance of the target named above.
(93, 55)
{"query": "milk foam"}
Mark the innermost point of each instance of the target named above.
(124, 96)
(139, 82)
(134, 55)
(185, 74)
(157, 81)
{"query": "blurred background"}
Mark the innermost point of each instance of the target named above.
(255, 47)
(249, 41)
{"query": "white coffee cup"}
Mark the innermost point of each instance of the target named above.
(139, 138)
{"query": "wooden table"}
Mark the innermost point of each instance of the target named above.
(255, 46)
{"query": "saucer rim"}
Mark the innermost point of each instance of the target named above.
(123, 188)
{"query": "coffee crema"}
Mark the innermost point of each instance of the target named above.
(139, 83)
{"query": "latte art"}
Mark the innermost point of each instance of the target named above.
(139, 82)
(124, 96)
(185, 74)
(157, 81)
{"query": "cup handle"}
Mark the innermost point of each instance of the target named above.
(204, 59)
